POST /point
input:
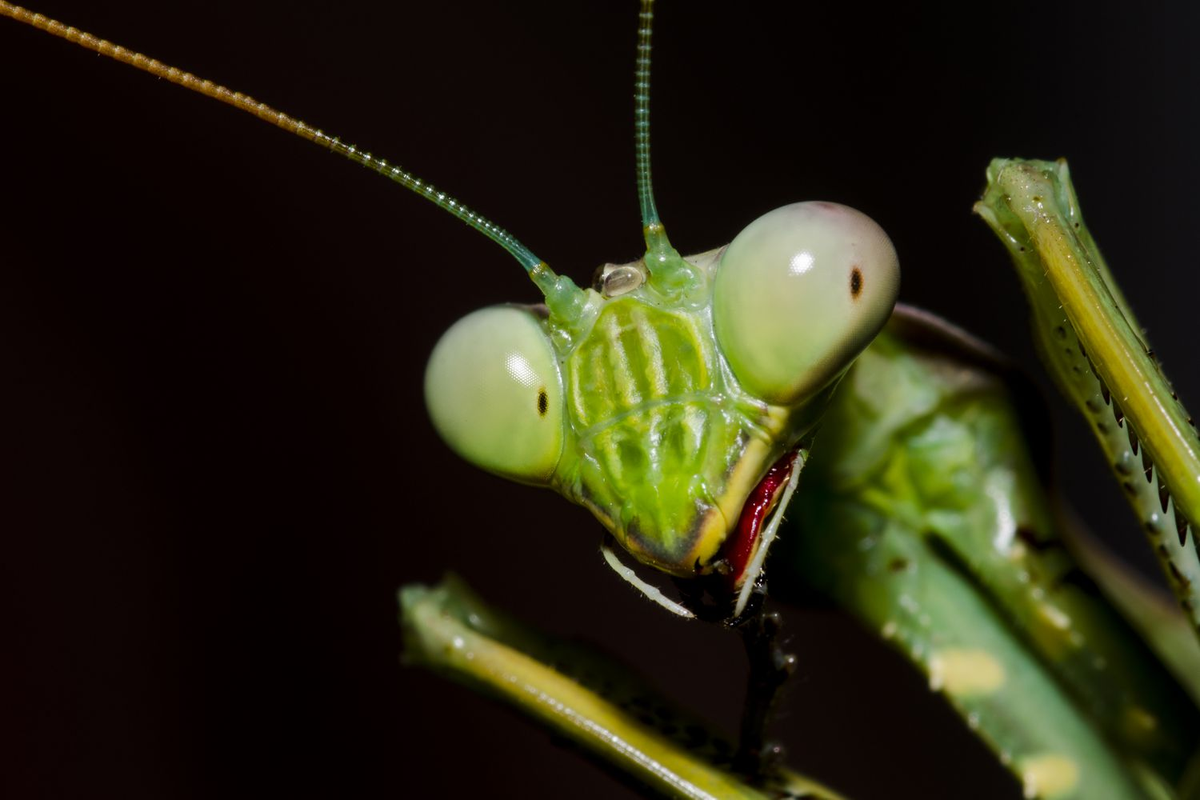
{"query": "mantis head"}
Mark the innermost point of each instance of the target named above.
(671, 398)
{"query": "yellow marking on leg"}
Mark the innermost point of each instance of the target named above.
(963, 672)
(1049, 776)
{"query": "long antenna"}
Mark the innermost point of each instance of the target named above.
(661, 258)
(538, 270)
(641, 116)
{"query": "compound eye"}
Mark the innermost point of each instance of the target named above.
(799, 293)
(494, 392)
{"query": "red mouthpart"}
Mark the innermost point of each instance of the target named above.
(740, 548)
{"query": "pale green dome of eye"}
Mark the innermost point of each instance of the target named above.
(799, 293)
(494, 392)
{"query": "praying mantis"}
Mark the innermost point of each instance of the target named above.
(192, 382)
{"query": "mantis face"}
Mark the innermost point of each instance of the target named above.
(663, 404)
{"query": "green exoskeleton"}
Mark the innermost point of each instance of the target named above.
(917, 508)
(662, 398)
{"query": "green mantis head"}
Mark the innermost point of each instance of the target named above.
(674, 398)
(661, 409)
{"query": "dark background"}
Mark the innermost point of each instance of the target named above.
(216, 464)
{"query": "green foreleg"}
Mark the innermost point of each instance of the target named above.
(1097, 352)
(581, 696)
(937, 618)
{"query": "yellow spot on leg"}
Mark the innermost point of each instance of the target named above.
(1049, 776)
(962, 672)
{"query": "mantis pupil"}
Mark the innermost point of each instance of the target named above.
(856, 283)
(543, 402)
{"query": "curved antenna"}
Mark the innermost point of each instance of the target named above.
(662, 260)
(641, 116)
(562, 295)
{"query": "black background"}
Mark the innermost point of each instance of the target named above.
(217, 466)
